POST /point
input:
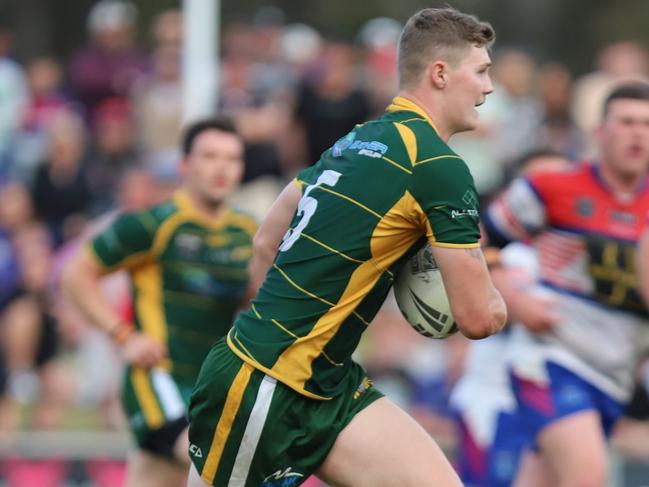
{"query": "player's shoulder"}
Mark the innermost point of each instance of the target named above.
(149, 219)
(578, 176)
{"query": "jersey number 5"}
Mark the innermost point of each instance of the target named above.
(306, 208)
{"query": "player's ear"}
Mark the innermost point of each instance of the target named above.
(438, 74)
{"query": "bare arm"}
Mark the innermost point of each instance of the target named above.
(477, 306)
(81, 285)
(536, 313)
(270, 234)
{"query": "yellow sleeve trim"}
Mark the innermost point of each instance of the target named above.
(435, 243)
(299, 183)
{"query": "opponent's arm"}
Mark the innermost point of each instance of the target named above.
(270, 234)
(477, 306)
(536, 313)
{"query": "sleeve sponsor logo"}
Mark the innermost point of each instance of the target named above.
(464, 213)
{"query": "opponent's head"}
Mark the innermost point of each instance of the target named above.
(212, 163)
(445, 51)
(623, 133)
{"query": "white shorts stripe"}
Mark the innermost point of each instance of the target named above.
(252, 433)
(168, 394)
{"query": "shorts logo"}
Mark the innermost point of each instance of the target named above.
(282, 478)
(195, 451)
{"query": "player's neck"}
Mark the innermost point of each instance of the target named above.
(199, 205)
(624, 186)
(432, 107)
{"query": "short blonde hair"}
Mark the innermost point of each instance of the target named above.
(438, 32)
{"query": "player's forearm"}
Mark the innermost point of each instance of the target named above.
(81, 285)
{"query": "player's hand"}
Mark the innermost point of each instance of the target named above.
(537, 313)
(141, 350)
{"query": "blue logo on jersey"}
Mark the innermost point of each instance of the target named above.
(374, 146)
(343, 144)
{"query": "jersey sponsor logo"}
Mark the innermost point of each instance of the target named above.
(195, 451)
(464, 213)
(374, 148)
(343, 144)
(623, 217)
(188, 244)
(282, 478)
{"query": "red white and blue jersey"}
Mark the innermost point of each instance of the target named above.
(585, 236)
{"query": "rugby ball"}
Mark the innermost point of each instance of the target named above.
(421, 296)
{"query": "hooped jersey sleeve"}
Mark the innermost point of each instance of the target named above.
(518, 214)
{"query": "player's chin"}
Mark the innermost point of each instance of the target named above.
(468, 125)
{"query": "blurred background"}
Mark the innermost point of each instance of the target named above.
(91, 108)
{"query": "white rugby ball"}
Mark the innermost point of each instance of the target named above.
(421, 296)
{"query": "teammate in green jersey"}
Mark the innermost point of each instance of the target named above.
(281, 398)
(187, 259)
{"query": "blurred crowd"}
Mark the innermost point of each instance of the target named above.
(84, 137)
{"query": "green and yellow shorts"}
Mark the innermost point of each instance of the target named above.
(247, 429)
(156, 407)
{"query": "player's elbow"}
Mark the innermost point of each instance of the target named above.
(264, 247)
(478, 324)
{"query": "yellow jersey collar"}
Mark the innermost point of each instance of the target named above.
(400, 103)
(185, 205)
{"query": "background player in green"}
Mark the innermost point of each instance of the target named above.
(188, 260)
(281, 398)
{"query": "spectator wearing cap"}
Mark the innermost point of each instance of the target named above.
(110, 64)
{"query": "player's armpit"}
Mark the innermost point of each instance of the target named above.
(477, 306)
(270, 233)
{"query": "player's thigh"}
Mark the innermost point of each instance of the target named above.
(383, 446)
(574, 449)
(147, 470)
(181, 447)
(533, 472)
(194, 479)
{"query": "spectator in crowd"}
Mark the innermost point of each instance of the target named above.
(559, 130)
(331, 101)
(110, 63)
(157, 97)
(29, 330)
(254, 95)
(514, 71)
(157, 103)
(112, 153)
(13, 99)
(46, 100)
(61, 190)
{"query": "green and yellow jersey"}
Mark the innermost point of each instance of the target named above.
(188, 273)
(366, 205)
